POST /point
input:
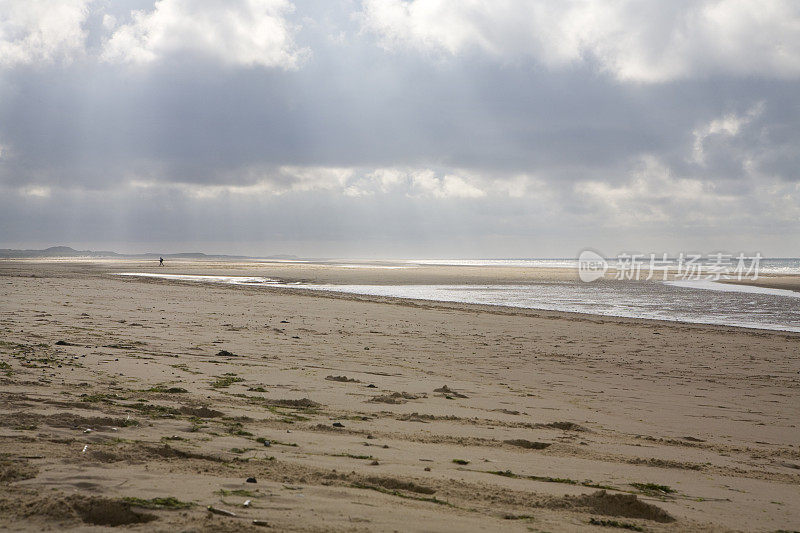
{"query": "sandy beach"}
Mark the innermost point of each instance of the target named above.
(144, 403)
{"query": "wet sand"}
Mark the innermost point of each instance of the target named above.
(142, 402)
(772, 281)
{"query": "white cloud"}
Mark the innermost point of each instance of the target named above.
(361, 182)
(347, 181)
(296, 178)
(643, 41)
(238, 32)
(109, 21)
(427, 183)
(727, 126)
(41, 31)
(387, 178)
(255, 181)
(653, 194)
(35, 191)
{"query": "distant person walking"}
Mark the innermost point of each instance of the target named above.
(161, 261)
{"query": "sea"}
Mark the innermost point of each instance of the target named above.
(700, 301)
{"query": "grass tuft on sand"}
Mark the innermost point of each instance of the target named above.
(170, 502)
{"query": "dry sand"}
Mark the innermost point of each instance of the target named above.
(141, 402)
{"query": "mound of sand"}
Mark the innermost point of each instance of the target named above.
(622, 505)
(397, 484)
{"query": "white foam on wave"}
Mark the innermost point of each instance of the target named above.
(364, 265)
(233, 280)
(789, 266)
(524, 263)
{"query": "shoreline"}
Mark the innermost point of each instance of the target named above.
(331, 291)
(496, 309)
(309, 273)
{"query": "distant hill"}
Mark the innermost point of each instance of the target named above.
(54, 251)
(66, 251)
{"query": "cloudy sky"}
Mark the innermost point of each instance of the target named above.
(401, 128)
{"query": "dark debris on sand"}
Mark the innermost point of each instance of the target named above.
(527, 444)
(14, 469)
(65, 343)
(447, 391)
(342, 379)
(396, 397)
(201, 412)
(92, 510)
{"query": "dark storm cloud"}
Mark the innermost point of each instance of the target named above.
(94, 125)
